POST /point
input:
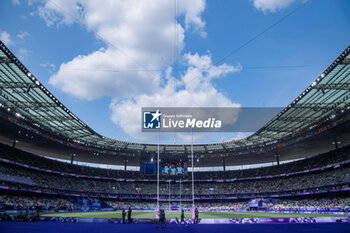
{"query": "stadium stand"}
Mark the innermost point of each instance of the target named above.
(27, 174)
(25, 158)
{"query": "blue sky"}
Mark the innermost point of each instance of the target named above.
(105, 61)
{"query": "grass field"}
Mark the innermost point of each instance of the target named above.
(136, 214)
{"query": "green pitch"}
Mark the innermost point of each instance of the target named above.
(137, 214)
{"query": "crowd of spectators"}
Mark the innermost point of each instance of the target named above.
(209, 206)
(31, 203)
(9, 153)
(49, 181)
(119, 205)
(25, 178)
(22, 216)
(313, 203)
(34, 204)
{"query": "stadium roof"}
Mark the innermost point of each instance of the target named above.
(23, 94)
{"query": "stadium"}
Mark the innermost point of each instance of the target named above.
(58, 174)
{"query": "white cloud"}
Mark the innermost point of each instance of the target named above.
(272, 5)
(193, 90)
(134, 67)
(140, 36)
(15, 2)
(23, 53)
(5, 37)
(60, 12)
(23, 34)
(51, 67)
(192, 16)
(104, 73)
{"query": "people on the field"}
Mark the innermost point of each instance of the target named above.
(161, 221)
(35, 217)
(182, 220)
(5, 217)
(123, 215)
(158, 213)
(129, 215)
(164, 219)
(196, 214)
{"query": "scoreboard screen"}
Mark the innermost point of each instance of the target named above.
(165, 168)
(174, 168)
